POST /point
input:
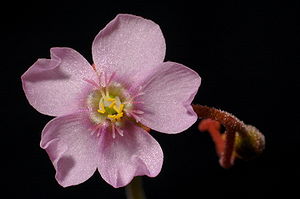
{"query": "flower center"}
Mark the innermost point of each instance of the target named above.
(111, 107)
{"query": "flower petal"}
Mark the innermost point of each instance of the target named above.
(129, 45)
(135, 153)
(54, 86)
(169, 92)
(71, 148)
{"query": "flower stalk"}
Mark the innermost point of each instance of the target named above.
(134, 190)
(239, 140)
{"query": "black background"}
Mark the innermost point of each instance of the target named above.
(242, 51)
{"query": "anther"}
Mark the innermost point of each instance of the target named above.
(116, 109)
(112, 104)
(101, 108)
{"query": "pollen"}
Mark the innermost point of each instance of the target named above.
(101, 108)
(112, 104)
(110, 99)
(111, 107)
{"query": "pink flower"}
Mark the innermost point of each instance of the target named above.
(99, 109)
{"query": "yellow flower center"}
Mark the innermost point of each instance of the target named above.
(111, 107)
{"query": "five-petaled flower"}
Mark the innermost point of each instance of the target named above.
(100, 108)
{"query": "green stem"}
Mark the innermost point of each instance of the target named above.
(134, 190)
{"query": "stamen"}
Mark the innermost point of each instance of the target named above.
(93, 129)
(111, 77)
(92, 82)
(105, 79)
(98, 128)
(92, 133)
(135, 90)
(138, 102)
(140, 94)
(106, 91)
(112, 116)
(102, 128)
(121, 107)
(116, 109)
(101, 111)
(101, 107)
(119, 115)
(110, 99)
(112, 104)
(101, 78)
(133, 102)
(136, 117)
(137, 95)
(102, 93)
(138, 112)
(119, 131)
(99, 132)
(113, 131)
